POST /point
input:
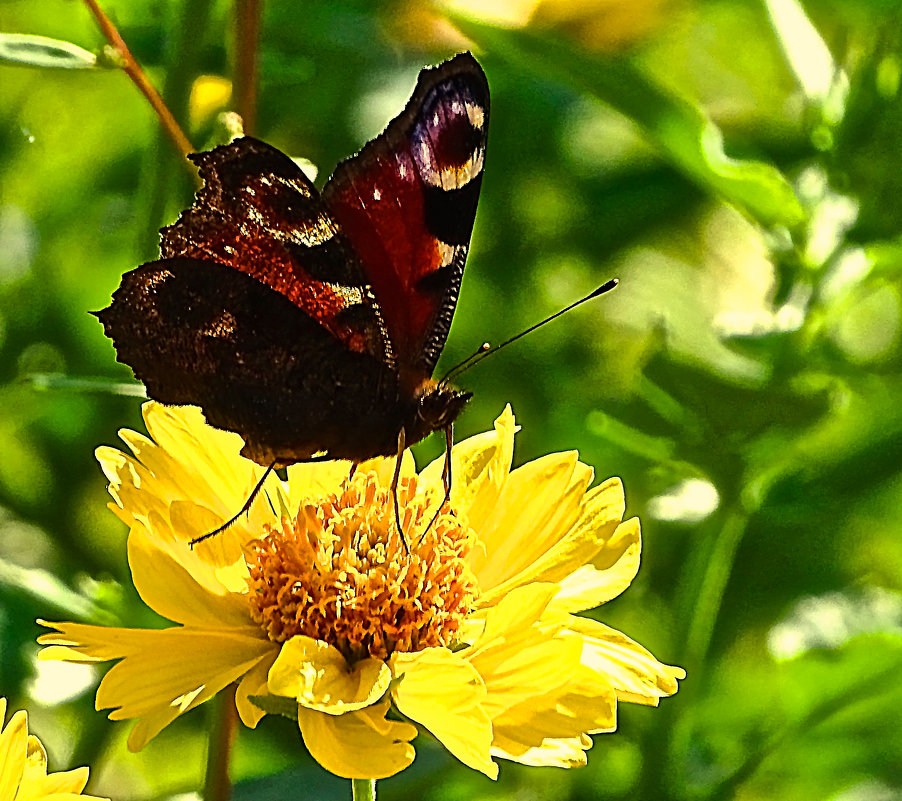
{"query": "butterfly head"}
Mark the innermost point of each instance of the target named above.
(437, 405)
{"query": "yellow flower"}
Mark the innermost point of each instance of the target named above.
(23, 766)
(316, 607)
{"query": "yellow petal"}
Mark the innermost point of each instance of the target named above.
(13, 744)
(35, 758)
(384, 467)
(633, 671)
(188, 460)
(519, 654)
(68, 783)
(359, 745)
(317, 675)
(567, 752)
(253, 683)
(196, 454)
(605, 575)
(444, 693)
(176, 584)
(539, 504)
(480, 466)
(162, 673)
(512, 617)
(592, 562)
(552, 728)
(312, 479)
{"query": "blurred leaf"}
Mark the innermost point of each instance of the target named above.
(805, 50)
(39, 51)
(57, 382)
(655, 449)
(821, 700)
(682, 132)
(885, 258)
(51, 591)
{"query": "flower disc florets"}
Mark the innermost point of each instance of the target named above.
(339, 572)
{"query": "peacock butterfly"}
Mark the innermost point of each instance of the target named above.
(310, 323)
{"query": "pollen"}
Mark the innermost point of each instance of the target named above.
(339, 571)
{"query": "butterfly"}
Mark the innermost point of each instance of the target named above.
(310, 322)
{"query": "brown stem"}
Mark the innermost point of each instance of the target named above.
(247, 36)
(217, 785)
(134, 71)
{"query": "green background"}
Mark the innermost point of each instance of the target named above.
(736, 167)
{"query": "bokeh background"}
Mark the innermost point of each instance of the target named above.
(735, 163)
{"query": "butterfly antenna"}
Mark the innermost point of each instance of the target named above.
(485, 350)
(461, 366)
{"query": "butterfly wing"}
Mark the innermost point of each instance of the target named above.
(260, 313)
(407, 203)
(195, 332)
(258, 213)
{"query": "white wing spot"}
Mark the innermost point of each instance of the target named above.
(476, 115)
(447, 252)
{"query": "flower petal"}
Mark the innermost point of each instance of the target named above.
(518, 654)
(605, 575)
(480, 466)
(636, 675)
(253, 683)
(553, 729)
(67, 784)
(384, 467)
(566, 752)
(539, 504)
(359, 745)
(176, 584)
(309, 479)
(13, 743)
(191, 460)
(317, 675)
(162, 673)
(444, 693)
(191, 453)
(592, 562)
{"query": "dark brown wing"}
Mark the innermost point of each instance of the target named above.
(407, 203)
(258, 213)
(196, 332)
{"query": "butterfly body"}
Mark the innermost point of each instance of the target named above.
(311, 323)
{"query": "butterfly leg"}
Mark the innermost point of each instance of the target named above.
(402, 443)
(247, 505)
(446, 477)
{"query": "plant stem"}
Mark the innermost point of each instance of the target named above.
(164, 171)
(247, 35)
(712, 587)
(134, 71)
(363, 789)
(217, 785)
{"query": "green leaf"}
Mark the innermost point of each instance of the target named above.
(681, 131)
(276, 705)
(39, 51)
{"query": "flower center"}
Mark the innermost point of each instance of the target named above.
(339, 572)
